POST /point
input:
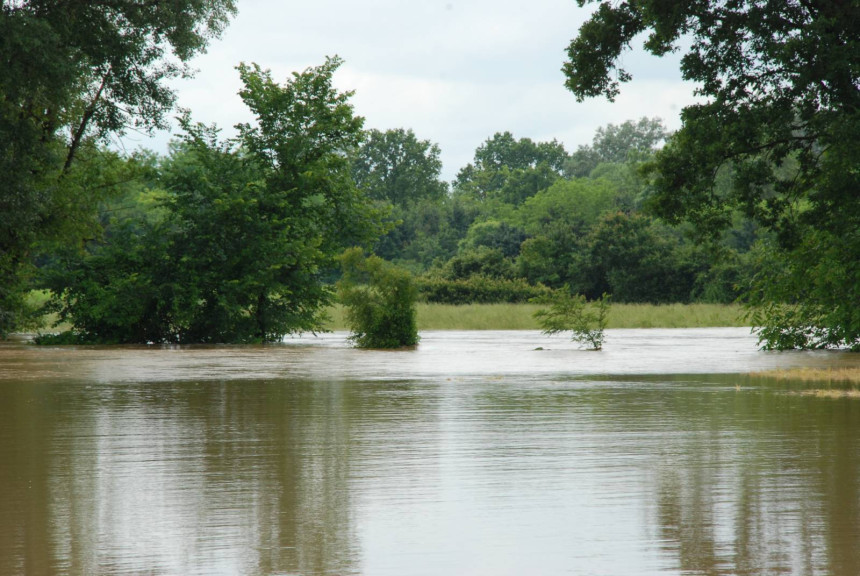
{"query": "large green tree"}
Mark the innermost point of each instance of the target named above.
(395, 166)
(510, 170)
(72, 73)
(780, 114)
(400, 171)
(247, 232)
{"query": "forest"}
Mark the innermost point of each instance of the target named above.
(753, 200)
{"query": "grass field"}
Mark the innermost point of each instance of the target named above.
(520, 316)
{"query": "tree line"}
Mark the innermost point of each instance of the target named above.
(754, 199)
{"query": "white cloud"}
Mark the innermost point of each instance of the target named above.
(455, 71)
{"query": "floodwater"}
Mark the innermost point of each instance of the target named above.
(474, 454)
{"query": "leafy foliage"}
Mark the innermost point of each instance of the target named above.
(496, 235)
(380, 301)
(569, 312)
(477, 289)
(481, 261)
(247, 232)
(396, 167)
(617, 144)
(510, 170)
(780, 118)
(72, 73)
(807, 298)
(635, 259)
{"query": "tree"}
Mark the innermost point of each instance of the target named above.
(617, 144)
(576, 203)
(480, 261)
(396, 167)
(71, 74)
(496, 235)
(511, 170)
(634, 258)
(568, 312)
(248, 233)
(302, 136)
(780, 82)
(380, 301)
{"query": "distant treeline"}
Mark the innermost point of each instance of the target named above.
(524, 216)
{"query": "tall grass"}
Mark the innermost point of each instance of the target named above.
(676, 316)
(520, 316)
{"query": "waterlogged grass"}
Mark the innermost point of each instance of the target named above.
(822, 382)
(839, 375)
(832, 393)
(521, 316)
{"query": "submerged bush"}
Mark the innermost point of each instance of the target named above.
(572, 313)
(380, 301)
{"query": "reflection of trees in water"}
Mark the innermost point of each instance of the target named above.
(277, 456)
(23, 484)
(247, 477)
(746, 482)
(761, 483)
(239, 477)
(263, 477)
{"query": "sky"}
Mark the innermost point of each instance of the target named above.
(454, 71)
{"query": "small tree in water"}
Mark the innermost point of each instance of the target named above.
(380, 301)
(572, 313)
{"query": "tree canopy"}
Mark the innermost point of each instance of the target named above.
(396, 167)
(617, 144)
(779, 119)
(511, 170)
(72, 73)
(247, 233)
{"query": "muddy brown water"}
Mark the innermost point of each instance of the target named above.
(473, 454)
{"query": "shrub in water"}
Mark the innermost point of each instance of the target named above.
(572, 313)
(380, 301)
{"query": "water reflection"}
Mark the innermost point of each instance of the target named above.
(180, 479)
(477, 473)
(760, 482)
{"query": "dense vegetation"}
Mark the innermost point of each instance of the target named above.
(72, 74)
(380, 301)
(774, 138)
(237, 236)
(225, 241)
(753, 200)
(519, 220)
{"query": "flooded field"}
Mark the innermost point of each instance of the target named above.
(474, 454)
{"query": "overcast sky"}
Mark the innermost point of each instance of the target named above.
(454, 71)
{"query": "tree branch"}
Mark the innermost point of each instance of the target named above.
(85, 120)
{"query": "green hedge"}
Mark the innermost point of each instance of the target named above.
(478, 290)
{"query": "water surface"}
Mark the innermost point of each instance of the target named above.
(473, 454)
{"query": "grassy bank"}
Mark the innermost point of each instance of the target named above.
(519, 316)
